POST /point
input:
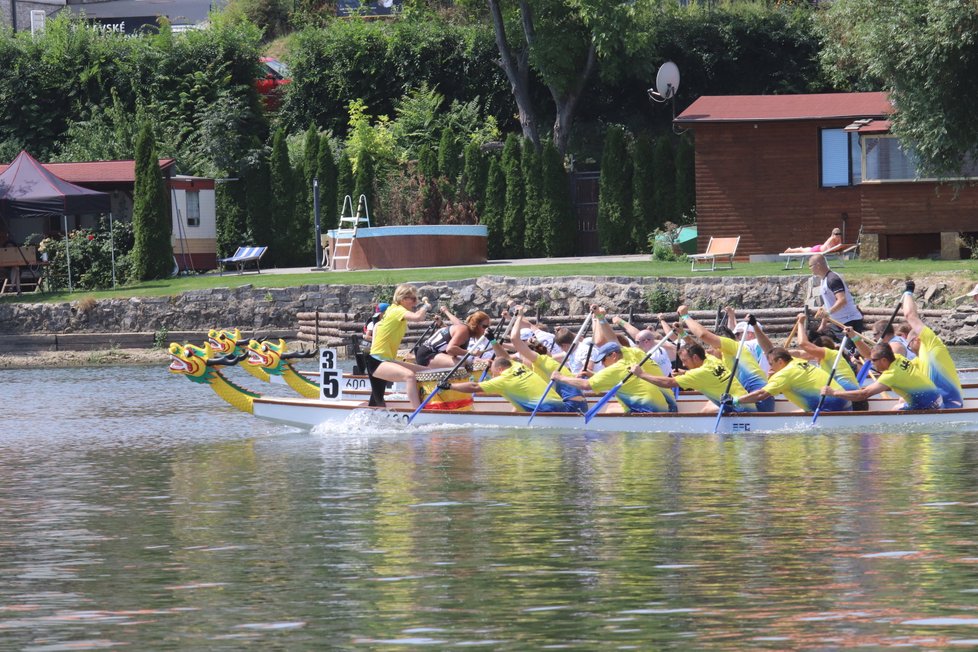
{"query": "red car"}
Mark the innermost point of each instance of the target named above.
(276, 75)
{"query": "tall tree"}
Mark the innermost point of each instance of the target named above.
(664, 181)
(514, 225)
(258, 201)
(304, 226)
(614, 195)
(643, 192)
(449, 156)
(363, 181)
(326, 172)
(557, 42)
(344, 183)
(495, 207)
(924, 54)
(557, 219)
(685, 178)
(535, 238)
(152, 228)
(282, 201)
(474, 177)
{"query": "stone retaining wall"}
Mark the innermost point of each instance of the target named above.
(266, 309)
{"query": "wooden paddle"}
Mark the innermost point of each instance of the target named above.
(791, 336)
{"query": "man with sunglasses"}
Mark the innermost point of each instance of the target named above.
(905, 377)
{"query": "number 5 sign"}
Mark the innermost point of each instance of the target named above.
(330, 388)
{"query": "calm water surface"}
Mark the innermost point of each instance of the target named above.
(138, 511)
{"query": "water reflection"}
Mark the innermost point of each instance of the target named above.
(124, 522)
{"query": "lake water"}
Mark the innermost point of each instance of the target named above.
(138, 511)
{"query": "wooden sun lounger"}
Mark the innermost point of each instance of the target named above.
(719, 249)
(839, 252)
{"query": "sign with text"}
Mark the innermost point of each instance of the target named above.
(330, 375)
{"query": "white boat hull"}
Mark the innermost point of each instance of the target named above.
(308, 413)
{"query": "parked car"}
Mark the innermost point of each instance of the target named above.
(275, 75)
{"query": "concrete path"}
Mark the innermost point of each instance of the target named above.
(490, 266)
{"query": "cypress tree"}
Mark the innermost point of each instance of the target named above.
(283, 201)
(614, 199)
(514, 226)
(449, 156)
(495, 207)
(152, 255)
(258, 205)
(474, 177)
(535, 239)
(232, 216)
(326, 172)
(643, 192)
(304, 235)
(556, 213)
(685, 178)
(428, 163)
(344, 183)
(664, 181)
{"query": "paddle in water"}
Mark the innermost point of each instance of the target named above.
(448, 375)
(563, 363)
(614, 390)
(725, 401)
(835, 366)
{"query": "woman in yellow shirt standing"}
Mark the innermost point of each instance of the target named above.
(382, 363)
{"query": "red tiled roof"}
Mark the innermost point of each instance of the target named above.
(765, 108)
(97, 171)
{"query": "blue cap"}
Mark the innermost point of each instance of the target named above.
(381, 307)
(603, 350)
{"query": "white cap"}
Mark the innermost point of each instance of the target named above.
(741, 326)
(974, 292)
(526, 333)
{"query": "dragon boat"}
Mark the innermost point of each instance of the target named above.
(203, 365)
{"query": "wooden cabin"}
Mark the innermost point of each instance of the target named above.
(784, 170)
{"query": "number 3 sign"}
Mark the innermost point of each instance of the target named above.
(330, 388)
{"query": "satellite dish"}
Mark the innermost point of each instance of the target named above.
(667, 80)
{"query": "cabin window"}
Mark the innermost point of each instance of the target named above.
(193, 208)
(841, 158)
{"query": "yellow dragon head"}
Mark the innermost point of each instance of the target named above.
(268, 355)
(224, 340)
(196, 363)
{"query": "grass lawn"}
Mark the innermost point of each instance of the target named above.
(853, 270)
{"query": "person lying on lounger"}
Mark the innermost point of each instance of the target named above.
(834, 241)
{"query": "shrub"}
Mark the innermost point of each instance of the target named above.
(659, 298)
(91, 257)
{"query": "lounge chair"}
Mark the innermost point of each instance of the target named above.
(242, 257)
(718, 249)
(840, 252)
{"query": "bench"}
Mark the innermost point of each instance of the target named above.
(718, 249)
(839, 252)
(242, 257)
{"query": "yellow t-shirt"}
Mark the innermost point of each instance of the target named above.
(389, 332)
(844, 374)
(710, 379)
(749, 372)
(908, 378)
(635, 395)
(523, 388)
(801, 382)
(940, 368)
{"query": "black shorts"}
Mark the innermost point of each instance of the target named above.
(423, 355)
(377, 385)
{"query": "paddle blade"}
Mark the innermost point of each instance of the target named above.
(540, 402)
(601, 403)
(723, 408)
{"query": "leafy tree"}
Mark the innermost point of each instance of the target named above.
(514, 224)
(557, 219)
(326, 172)
(535, 242)
(152, 254)
(232, 218)
(614, 195)
(924, 55)
(449, 156)
(428, 162)
(256, 178)
(685, 177)
(495, 207)
(282, 201)
(643, 191)
(363, 183)
(305, 232)
(664, 181)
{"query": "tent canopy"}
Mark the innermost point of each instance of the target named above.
(27, 189)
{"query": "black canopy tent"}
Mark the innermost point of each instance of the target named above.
(27, 189)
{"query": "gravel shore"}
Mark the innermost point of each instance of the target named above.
(84, 358)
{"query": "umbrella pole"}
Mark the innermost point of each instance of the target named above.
(112, 246)
(68, 253)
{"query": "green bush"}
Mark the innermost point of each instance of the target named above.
(91, 257)
(660, 298)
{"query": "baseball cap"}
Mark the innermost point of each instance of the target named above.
(526, 333)
(603, 350)
(974, 292)
(742, 326)
(381, 307)
(836, 231)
